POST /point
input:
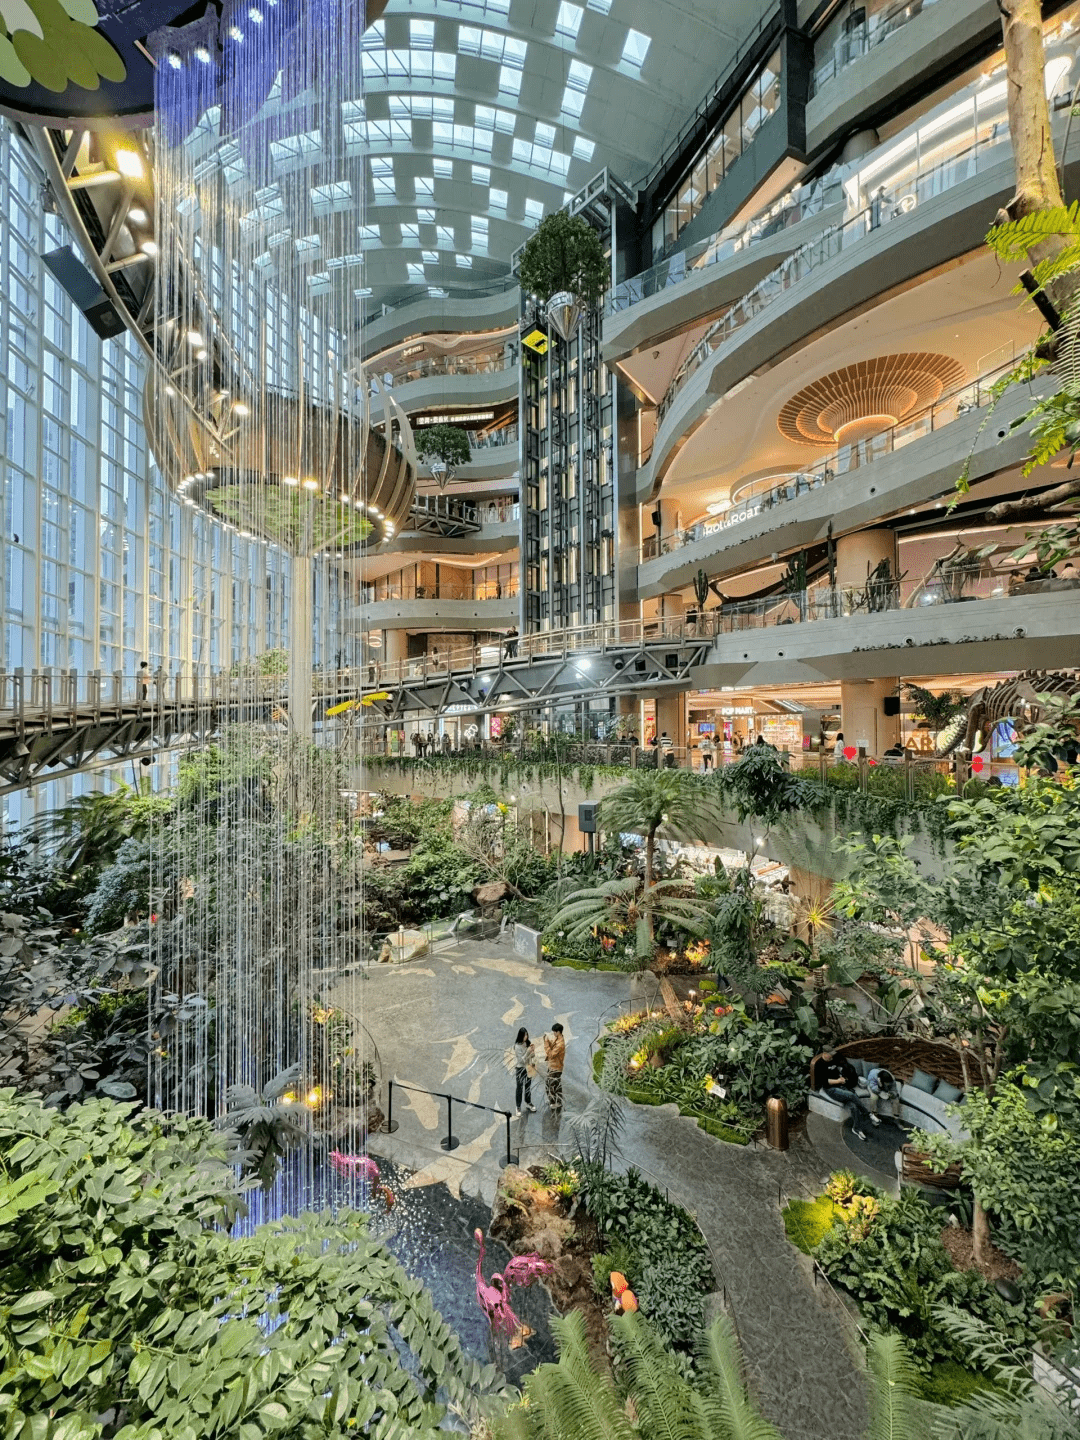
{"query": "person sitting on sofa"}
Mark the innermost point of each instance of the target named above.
(841, 1079)
(883, 1091)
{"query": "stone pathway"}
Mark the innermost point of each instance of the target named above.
(445, 1023)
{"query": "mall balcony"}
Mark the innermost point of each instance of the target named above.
(434, 312)
(456, 526)
(429, 597)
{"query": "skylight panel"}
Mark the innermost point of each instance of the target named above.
(583, 148)
(509, 81)
(569, 21)
(424, 187)
(426, 217)
(375, 35)
(345, 262)
(329, 199)
(436, 293)
(232, 163)
(422, 34)
(446, 237)
(444, 169)
(577, 85)
(319, 283)
(383, 185)
(304, 147)
(410, 234)
(545, 135)
(463, 262)
(635, 50)
(480, 234)
(604, 6)
(430, 257)
(415, 273)
(362, 292)
(497, 199)
(308, 247)
(481, 175)
(369, 232)
(534, 210)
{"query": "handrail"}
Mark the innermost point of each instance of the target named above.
(869, 36)
(450, 1140)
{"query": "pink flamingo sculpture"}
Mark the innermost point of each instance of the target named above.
(494, 1297)
(364, 1167)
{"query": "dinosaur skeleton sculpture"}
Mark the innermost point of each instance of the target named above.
(1018, 700)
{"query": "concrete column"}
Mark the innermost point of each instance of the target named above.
(671, 716)
(301, 642)
(862, 715)
(859, 554)
(395, 645)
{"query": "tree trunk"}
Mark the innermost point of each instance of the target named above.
(650, 850)
(1037, 185)
(980, 1235)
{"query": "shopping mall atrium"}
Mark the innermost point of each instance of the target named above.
(527, 907)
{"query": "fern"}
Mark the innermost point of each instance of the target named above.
(663, 1400)
(726, 1407)
(896, 1412)
(570, 1400)
(1014, 238)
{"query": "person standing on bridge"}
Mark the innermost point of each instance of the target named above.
(511, 642)
(143, 682)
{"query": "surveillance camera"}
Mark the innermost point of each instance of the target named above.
(909, 641)
(1020, 632)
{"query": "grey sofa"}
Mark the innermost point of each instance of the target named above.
(916, 1107)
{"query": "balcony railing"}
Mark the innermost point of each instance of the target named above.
(799, 203)
(887, 206)
(487, 364)
(442, 590)
(974, 395)
(508, 435)
(866, 37)
(951, 585)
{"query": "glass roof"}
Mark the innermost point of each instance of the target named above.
(478, 118)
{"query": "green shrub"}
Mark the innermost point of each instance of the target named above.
(807, 1222)
(620, 1257)
(949, 1383)
(674, 1307)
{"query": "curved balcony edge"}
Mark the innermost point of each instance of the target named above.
(492, 387)
(428, 315)
(914, 474)
(428, 615)
(1005, 633)
(940, 231)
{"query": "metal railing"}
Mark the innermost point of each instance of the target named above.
(796, 205)
(441, 590)
(449, 1141)
(973, 395)
(887, 206)
(495, 439)
(487, 364)
(498, 287)
(866, 37)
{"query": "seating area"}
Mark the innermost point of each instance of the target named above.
(929, 1077)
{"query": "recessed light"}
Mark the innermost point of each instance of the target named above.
(130, 165)
(289, 480)
(194, 338)
(137, 215)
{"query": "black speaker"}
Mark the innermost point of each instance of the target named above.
(72, 275)
(586, 818)
(671, 661)
(891, 705)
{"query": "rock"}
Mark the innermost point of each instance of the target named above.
(490, 894)
(546, 1243)
(508, 1214)
(402, 945)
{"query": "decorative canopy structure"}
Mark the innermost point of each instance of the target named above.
(848, 405)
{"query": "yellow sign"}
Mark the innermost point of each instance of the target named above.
(536, 340)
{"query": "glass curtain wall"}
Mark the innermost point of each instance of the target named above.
(101, 565)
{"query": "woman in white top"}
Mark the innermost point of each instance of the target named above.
(523, 1058)
(708, 750)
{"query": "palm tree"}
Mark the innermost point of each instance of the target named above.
(573, 1400)
(651, 802)
(625, 906)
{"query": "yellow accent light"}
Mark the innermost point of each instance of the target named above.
(536, 340)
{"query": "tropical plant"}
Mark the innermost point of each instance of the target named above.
(264, 1126)
(564, 253)
(128, 1308)
(573, 1399)
(652, 803)
(762, 787)
(88, 832)
(701, 589)
(626, 907)
(936, 710)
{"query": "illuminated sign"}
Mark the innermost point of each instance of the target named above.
(536, 340)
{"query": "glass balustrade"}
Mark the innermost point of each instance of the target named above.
(974, 395)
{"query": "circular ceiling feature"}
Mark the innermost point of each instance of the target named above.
(860, 400)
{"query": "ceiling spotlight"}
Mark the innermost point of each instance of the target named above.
(174, 60)
(289, 480)
(344, 498)
(137, 215)
(130, 165)
(202, 54)
(200, 354)
(246, 534)
(239, 408)
(311, 484)
(169, 390)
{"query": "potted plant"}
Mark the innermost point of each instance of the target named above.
(444, 448)
(563, 264)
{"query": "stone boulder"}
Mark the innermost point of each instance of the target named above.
(490, 894)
